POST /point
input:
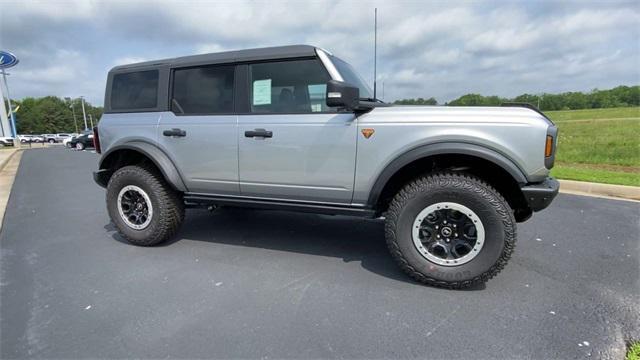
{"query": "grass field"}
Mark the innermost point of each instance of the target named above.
(598, 145)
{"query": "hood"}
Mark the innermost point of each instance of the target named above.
(455, 114)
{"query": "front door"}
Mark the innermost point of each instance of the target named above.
(291, 145)
(200, 132)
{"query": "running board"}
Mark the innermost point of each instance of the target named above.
(205, 200)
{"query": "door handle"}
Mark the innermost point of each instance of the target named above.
(174, 132)
(258, 133)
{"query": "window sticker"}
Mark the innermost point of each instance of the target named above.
(262, 92)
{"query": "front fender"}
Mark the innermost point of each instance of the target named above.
(439, 149)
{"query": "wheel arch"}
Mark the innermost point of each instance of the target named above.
(491, 166)
(136, 152)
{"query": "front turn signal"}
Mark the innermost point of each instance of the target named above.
(548, 148)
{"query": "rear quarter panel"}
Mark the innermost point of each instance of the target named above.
(120, 128)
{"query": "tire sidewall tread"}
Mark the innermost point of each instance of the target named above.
(168, 206)
(484, 200)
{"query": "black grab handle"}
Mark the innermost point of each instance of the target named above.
(174, 132)
(258, 133)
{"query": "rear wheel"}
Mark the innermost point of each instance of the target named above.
(450, 230)
(144, 208)
(80, 146)
(51, 141)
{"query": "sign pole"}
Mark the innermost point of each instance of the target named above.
(11, 115)
(4, 121)
(7, 60)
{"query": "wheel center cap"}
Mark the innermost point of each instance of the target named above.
(446, 231)
(139, 206)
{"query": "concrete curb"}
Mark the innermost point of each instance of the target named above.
(4, 162)
(597, 189)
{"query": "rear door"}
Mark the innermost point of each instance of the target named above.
(291, 145)
(200, 133)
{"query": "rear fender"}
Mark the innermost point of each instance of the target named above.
(158, 157)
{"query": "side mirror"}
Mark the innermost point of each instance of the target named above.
(341, 94)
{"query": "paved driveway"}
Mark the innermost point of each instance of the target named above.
(265, 284)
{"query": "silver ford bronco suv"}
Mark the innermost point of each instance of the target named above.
(295, 128)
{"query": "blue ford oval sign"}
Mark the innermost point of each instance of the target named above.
(7, 59)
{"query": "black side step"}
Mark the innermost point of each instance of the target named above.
(204, 200)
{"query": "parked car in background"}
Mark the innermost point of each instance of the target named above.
(6, 141)
(50, 138)
(62, 136)
(30, 138)
(81, 142)
(65, 141)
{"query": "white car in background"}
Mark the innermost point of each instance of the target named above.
(65, 140)
(30, 138)
(61, 137)
(6, 141)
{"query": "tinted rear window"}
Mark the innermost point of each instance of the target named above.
(135, 90)
(203, 90)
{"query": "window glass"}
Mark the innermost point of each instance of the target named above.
(297, 86)
(135, 90)
(203, 90)
(350, 76)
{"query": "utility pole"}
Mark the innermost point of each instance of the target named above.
(375, 49)
(91, 119)
(84, 115)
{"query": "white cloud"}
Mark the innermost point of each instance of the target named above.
(425, 48)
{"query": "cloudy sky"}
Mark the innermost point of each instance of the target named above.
(425, 48)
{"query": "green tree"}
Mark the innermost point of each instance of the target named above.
(51, 114)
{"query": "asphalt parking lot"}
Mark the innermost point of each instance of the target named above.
(243, 283)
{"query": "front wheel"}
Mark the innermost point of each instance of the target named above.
(144, 208)
(51, 141)
(450, 230)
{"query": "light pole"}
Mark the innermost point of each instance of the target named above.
(73, 111)
(91, 120)
(84, 115)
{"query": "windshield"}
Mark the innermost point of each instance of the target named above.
(351, 76)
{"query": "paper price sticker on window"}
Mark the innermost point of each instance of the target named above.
(262, 92)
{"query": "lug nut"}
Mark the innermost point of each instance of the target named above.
(455, 226)
(444, 222)
(456, 234)
(438, 236)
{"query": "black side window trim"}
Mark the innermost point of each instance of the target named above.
(235, 84)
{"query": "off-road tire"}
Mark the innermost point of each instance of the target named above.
(492, 209)
(168, 205)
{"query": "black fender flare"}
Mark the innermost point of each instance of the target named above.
(424, 151)
(157, 156)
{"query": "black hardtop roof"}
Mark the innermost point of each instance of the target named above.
(267, 53)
